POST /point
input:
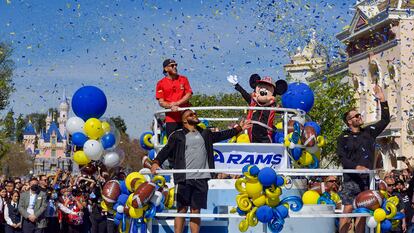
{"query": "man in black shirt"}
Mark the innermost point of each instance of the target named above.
(356, 149)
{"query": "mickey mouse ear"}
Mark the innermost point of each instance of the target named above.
(281, 87)
(253, 80)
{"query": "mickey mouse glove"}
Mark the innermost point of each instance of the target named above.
(232, 79)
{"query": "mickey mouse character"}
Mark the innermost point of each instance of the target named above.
(264, 93)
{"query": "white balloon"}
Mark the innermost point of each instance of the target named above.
(111, 159)
(75, 124)
(371, 223)
(93, 149)
(299, 119)
(120, 209)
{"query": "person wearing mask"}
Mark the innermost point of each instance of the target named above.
(9, 188)
(51, 212)
(192, 148)
(173, 92)
(12, 215)
(356, 150)
(32, 206)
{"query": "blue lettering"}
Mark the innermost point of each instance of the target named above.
(249, 159)
(277, 159)
(261, 159)
(234, 158)
(218, 156)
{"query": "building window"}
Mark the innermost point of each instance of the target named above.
(53, 153)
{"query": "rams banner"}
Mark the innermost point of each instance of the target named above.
(233, 156)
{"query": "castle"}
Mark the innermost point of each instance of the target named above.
(49, 148)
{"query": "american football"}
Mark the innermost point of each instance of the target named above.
(111, 190)
(143, 194)
(369, 199)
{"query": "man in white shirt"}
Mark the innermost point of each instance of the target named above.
(32, 206)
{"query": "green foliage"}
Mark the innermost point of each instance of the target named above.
(119, 123)
(332, 99)
(9, 126)
(20, 124)
(233, 99)
(39, 119)
(6, 73)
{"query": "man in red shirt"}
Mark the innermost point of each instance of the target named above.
(172, 92)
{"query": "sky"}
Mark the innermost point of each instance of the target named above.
(119, 46)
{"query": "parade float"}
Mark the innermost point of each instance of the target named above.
(269, 195)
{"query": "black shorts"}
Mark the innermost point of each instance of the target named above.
(192, 193)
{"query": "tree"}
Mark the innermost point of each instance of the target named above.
(119, 124)
(9, 126)
(133, 153)
(15, 152)
(221, 99)
(333, 98)
(39, 119)
(6, 73)
(20, 124)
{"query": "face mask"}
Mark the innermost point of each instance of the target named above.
(35, 188)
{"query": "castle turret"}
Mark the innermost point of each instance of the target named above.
(63, 114)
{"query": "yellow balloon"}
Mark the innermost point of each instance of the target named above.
(310, 197)
(243, 202)
(335, 197)
(164, 140)
(106, 127)
(202, 125)
(80, 158)
(135, 212)
(170, 202)
(379, 215)
(105, 206)
(243, 225)
(321, 141)
(279, 125)
(93, 128)
(243, 138)
(233, 139)
(306, 159)
(259, 201)
(272, 202)
(138, 179)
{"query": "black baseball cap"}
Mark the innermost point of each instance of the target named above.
(166, 63)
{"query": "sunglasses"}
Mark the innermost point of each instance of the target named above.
(173, 65)
(332, 181)
(192, 114)
(358, 115)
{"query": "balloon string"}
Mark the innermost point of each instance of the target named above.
(379, 228)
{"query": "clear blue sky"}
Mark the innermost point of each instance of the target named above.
(119, 46)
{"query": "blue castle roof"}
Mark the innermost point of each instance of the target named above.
(53, 128)
(29, 129)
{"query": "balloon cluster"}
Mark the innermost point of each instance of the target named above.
(385, 217)
(94, 139)
(312, 197)
(259, 199)
(308, 136)
(136, 199)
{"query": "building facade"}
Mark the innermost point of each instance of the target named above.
(380, 48)
(49, 148)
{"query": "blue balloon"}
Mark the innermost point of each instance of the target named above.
(89, 102)
(296, 153)
(151, 154)
(264, 214)
(116, 221)
(278, 137)
(79, 138)
(279, 181)
(298, 96)
(281, 211)
(267, 176)
(315, 126)
(122, 199)
(124, 189)
(386, 225)
(240, 212)
(254, 170)
(108, 140)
